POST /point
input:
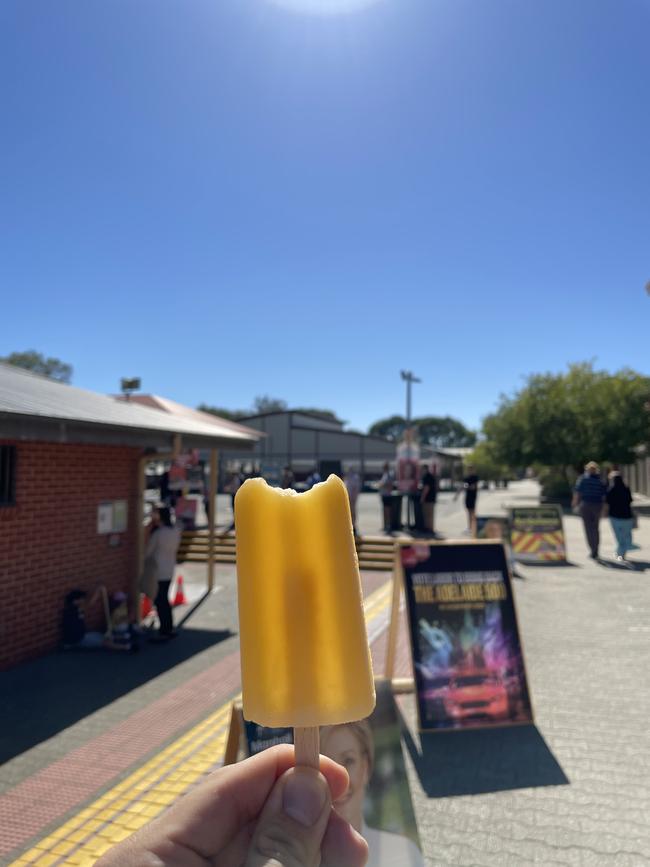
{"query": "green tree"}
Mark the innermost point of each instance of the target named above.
(438, 431)
(392, 427)
(264, 403)
(563, 420)
(485, 463)
(232, 414)
(38, 363)
(444, 432)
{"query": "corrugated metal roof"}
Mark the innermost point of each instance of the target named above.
(27, 394)
(165, 404)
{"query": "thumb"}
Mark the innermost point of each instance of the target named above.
(291, 826)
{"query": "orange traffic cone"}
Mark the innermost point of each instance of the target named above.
(180, 598)
(146, 606)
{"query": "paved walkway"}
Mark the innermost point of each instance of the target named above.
(127, 735)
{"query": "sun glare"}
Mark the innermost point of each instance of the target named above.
(324, 7)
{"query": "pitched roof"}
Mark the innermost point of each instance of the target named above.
(34, 406)
(155, 401)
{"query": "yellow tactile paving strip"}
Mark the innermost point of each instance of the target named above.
(146, 792)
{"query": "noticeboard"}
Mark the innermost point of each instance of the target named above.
(536, 534)
(467, 656)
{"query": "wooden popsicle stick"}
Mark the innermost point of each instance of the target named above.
(307, 746)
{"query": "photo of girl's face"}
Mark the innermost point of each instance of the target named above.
(342, 745)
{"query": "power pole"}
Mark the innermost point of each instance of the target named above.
(409, 378)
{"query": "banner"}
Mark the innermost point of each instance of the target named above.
(378, 802)
(536, 534)
(467, 657)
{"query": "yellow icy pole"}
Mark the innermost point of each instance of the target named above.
(304, 648)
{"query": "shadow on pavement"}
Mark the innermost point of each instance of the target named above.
(486, 760)
(628, 566)
(43, 697)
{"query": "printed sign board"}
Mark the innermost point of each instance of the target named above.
(467, 656)
(536, 534)
(378, 803)
(496, 527)
(112, 517)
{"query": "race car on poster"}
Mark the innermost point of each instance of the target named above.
(476, 692)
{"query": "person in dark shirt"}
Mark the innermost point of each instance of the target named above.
(428, 495)
(470, 486)
(619, 504)
(589, 496)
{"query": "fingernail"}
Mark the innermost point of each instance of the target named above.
(304, 796)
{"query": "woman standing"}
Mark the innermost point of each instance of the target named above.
(619, 500)
(162, 548)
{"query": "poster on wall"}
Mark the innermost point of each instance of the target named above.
(378, 803)
(467, 656)
(537, 534)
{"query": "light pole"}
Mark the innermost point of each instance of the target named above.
(409, 378)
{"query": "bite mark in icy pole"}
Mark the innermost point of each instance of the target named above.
(304, 648)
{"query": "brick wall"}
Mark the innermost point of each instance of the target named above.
(49, 542)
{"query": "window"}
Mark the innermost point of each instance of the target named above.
(7, 475)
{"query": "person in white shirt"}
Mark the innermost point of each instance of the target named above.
(352, 746)
(162, 548)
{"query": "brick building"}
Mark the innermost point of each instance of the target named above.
(72, 468)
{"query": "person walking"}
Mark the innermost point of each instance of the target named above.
(428, 496)
(353, 486)
(470, 486)
(386, 485)
(619, 505)
(588, 497)
(162, 548)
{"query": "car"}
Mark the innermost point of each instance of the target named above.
(476, 693)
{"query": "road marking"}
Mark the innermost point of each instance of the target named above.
(150, 789)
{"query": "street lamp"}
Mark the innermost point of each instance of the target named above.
(409, 378)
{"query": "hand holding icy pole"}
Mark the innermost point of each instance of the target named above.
(304, 649)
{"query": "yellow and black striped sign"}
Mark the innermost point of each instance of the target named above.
(536, 534)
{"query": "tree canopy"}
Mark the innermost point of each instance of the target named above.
(438, 431)
(264, 403)
(566, 419)
(38, 363)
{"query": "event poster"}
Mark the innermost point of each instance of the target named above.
(536, 534)
(378, 803)
(467, 656)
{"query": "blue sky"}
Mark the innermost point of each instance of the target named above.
(234, 197)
